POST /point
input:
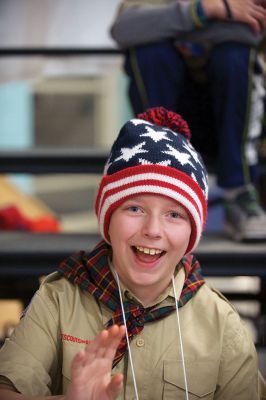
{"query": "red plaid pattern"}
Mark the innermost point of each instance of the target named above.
(92, 274)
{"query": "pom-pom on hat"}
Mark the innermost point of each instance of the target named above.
(153, 154)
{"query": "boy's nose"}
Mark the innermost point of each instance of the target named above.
(152, 227)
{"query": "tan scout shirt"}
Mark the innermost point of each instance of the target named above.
(220, 357)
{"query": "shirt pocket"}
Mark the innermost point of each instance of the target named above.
(201, 379)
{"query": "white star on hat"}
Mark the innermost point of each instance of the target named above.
(164, 163)
(193, 153)
(156, 136)
(183, 158)
(136, 122)
(128, 153)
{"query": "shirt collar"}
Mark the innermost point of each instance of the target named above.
(165, 299)
(167, 295)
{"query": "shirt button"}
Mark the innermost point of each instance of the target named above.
(140, 342)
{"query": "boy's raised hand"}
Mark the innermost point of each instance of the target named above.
(91, 368)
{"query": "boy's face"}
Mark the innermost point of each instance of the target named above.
(149, 235)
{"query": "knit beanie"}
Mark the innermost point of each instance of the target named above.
(153, 155)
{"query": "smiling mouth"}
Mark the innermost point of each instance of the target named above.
(146, 251)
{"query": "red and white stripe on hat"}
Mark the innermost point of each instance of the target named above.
(166, 181)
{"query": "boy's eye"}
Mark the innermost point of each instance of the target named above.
(174, 214)
(134, 208)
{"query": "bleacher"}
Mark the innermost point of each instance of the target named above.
(25, 257)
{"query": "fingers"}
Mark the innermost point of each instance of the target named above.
(105, 344)
(261, 3)
(115, 386)
(254, 24)
(258, 14)
(78, 361)
(77, 368)
(251, 12)
(103, 347)
(115, 334)
(91, 368)
(262, 16)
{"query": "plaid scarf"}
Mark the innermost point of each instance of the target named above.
(91, 272)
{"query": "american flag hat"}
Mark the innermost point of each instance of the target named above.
(153, 154)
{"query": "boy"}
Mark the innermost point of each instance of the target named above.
(134, 318)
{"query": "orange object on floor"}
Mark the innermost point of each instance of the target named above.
(12, 219)
(19, 211)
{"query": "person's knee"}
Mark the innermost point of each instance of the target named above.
(229, 59)
(158, 54)
(158, 62)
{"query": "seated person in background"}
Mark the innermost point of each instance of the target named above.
(134, 318)
(200, 58)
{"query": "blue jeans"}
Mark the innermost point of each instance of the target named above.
(217, 110)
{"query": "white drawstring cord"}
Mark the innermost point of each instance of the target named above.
(127, 339)
(128, 346)
(180, 339)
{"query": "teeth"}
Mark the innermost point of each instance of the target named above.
(146, 250)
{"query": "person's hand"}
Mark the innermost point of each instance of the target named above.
(91, 368)
(251, 12)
